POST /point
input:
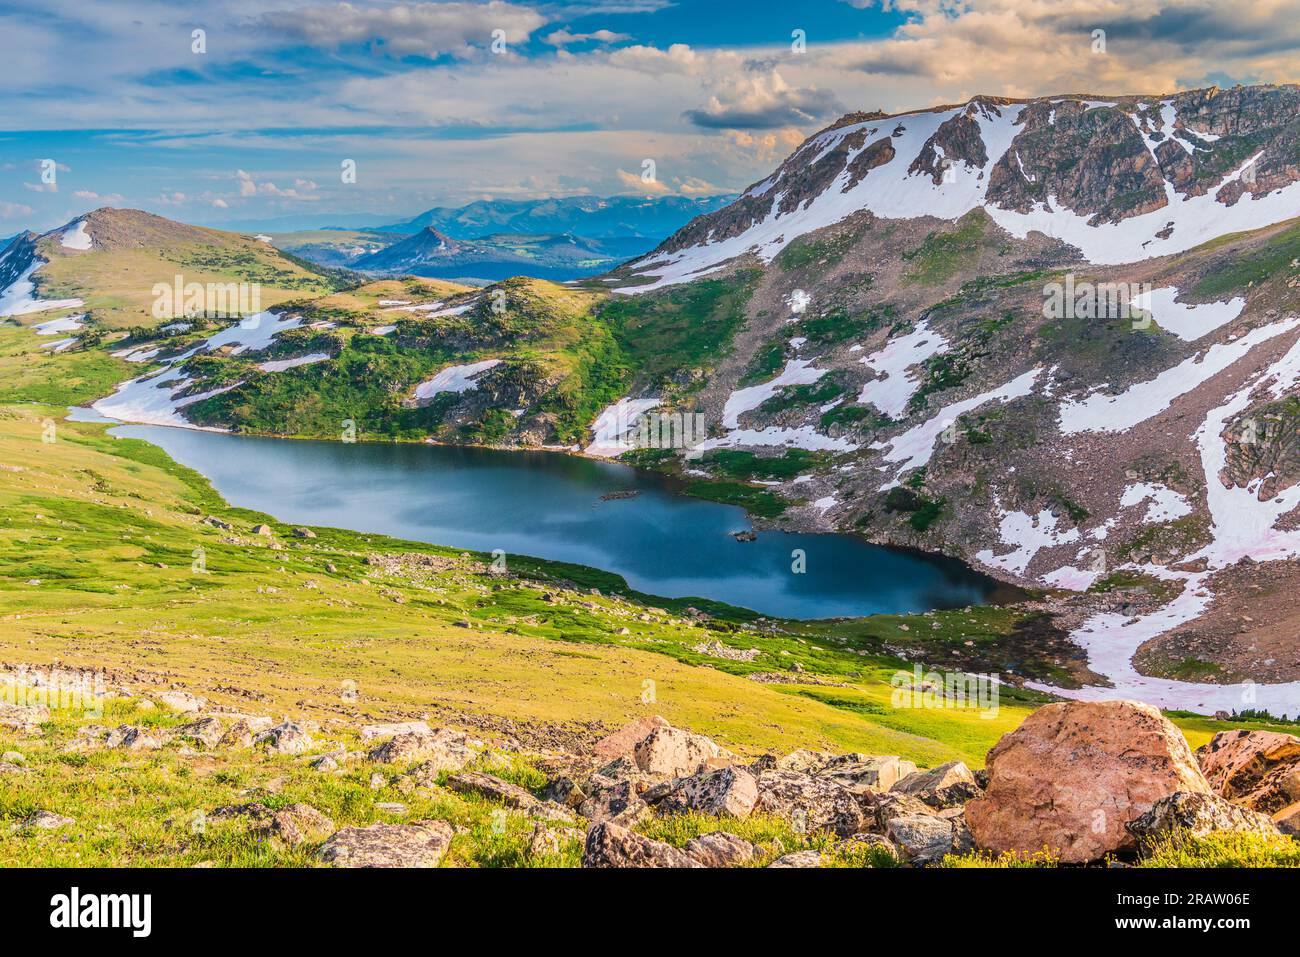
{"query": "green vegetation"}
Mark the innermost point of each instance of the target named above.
(1238, 271)
(747, 465)
(757, 501)
(689, 326)
(943, 254)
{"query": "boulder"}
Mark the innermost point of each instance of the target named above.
(1200, 814)
(816, 803)
(862, 773)
(1257, 769)
(421, 844)
(1288, 820)
(721, 849)
(286, 738)
(181, 701)
(564, 790)
(622, 741)
(948, 785)
(17, 717)
(1074, 774)
(804, 761)
(492, 787)
(208, 731)
(299, 824)
(732, 791)
(894, 804)
(609, 845)
(444, 749)
(47, 821)
(672, 752)
(799, 859)
(618, 802)
(921, 838)
(238, 735)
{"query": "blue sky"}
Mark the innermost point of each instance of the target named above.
(256, 126)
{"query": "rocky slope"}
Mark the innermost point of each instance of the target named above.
(1076, 783)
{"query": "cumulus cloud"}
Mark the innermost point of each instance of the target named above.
(764, 101)
(561, 38)
(431, 29)
(302, 189)
(10, 210)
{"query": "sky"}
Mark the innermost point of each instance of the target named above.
(231, 112)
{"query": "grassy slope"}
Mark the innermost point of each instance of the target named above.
(112, 510)
(135, 250)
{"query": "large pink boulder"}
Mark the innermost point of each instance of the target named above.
(1074, 774)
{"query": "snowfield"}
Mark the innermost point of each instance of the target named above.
(454, 379)
(896, 385)
(891, 192)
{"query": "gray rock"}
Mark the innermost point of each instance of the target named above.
(209, 731)
(286, 738)
(948, 785)
(421, 844)
(798, 859)
(300, 824)
(131, 738)
(609, 845)
(492, 787)
(862, 773)
(181, 701)
(1200, 814)
(443, 749)
(721, 849)
(47, 821)
(619, 802)
(921, 838)
(816, 803)
(23, 718)
(731, 791)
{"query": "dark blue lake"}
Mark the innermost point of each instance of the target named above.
(549, 505)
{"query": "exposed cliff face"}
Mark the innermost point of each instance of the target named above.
(1121, 178)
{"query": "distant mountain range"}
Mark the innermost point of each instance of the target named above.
(490, 240)
(592, 217)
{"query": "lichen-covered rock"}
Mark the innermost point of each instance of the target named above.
(721, 849)
(131, 738)
(814, 803)
(1257, 769)
(618, 802)
(948, 785)
(921, 838)
(731, 791)
(1200, 814)
(286, 738)
(299, 824)
(798, 859)
(421, 844)
(672, 752)
(1074, 774)
(492, 787)
(208, 731)
(622, 741)
(609, 845)
(861, 773)
(444, 749)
